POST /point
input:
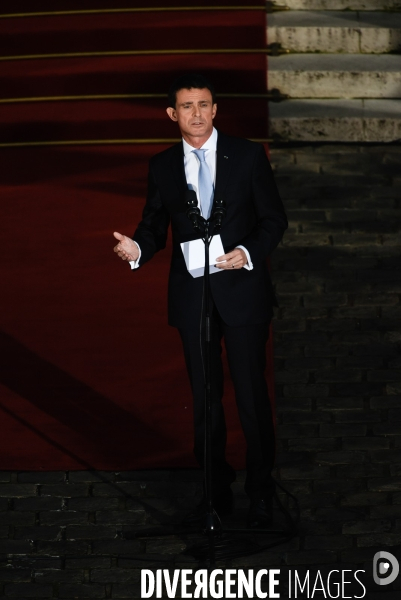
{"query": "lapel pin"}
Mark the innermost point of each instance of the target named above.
(226, 157)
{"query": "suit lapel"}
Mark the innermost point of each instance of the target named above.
(177, 166)
(224, 163)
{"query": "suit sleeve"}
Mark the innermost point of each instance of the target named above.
(151, 233)
(271, 220)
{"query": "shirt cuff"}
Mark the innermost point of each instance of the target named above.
(134, 264)
(249, 265)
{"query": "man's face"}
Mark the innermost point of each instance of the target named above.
(194, 112)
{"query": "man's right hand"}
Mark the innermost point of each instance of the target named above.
(126, 247)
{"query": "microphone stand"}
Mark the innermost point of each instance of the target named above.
(212, 525)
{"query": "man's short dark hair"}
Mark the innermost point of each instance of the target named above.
(186, 82)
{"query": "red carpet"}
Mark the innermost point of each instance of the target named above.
(91, 375)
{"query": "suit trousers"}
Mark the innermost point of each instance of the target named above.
(246, 354)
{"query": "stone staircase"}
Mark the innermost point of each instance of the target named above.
(341, 73)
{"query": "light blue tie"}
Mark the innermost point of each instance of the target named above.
(205, 184)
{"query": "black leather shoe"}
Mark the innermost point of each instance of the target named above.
(222, 504)
(260, 513)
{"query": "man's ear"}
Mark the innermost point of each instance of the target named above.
(214, 110)
(172, 113)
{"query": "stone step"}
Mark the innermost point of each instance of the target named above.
(337, 4)
(336, 120)
(335, 31)
(336, 76)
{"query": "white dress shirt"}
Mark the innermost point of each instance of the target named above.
(191, 166)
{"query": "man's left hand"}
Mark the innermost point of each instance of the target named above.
(233, 260)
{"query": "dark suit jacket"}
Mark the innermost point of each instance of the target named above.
(255, 218)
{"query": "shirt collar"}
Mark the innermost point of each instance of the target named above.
(210, 144)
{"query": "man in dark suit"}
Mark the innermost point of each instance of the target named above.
(238, 172)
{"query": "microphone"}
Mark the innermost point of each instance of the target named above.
(193, 212)
(219, 211)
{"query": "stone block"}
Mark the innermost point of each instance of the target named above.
(315, 500)
(365, 443)
(300, 240)
(364, 362)
(386, 511)
(41, 477)
(307, 31)
(336, 75)
(38, 503)
(339, 404)
(327, 542)
(358, 389)
(297, 431)
(63, 517)
(114, 490)
(126, 591)
(17, 490)
(90, 532)
(334, 324)
(395, 470)
(385, 540)
(15, 547)
(59, 576)
(306, 417)
(384, 484)
(293, 404)
(38, 533)
(88, 562)
(341, 457)
(64, 490)
(309, 444)
(306, 390)
(386, 456)
(360, 416)
(24, 590)
(337, 4)
(92, 504)
(116, 547)
(17, 518)
(370, 526)
(366, 499)
(62, 548)
(334, 375)
(115, 575)
(365, 470)
(9, 574)
(307, 363)
(304, 472)
(334, 430)
(384, 375)
(291, 376)
(392, 429)
(310, 557)
(133, 517)
(336, 120)
(339, 486)
(91, 476)
(92, 590)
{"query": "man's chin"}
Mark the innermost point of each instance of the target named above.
(201, 131)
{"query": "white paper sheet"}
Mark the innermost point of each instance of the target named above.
(194, 255)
